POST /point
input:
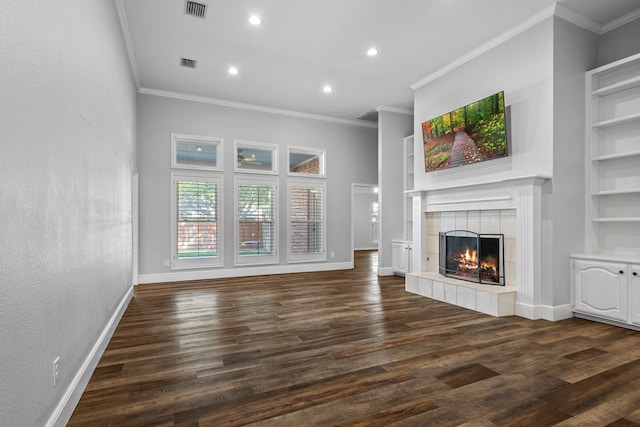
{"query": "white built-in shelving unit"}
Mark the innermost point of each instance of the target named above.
(408, 186)
(605, 277)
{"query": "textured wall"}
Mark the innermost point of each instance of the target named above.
(67, 115)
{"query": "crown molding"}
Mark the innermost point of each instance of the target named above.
(380, 108)
(252, 107)
(619, 22)
(122, 15)
(578, 19)
(496, 41)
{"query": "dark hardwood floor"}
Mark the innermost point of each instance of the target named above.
(349, 348)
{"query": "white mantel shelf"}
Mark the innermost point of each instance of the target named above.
(507, 180)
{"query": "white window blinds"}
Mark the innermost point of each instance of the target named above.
(256, 222)
(306, 221)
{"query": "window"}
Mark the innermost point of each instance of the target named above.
(196, 152)
(306, 162)
(256, 221)
(196, 220)
(256, 157)
(307, 227)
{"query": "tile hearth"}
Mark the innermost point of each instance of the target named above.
(494, 300)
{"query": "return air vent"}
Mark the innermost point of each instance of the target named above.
(189, 63)
(195, 9)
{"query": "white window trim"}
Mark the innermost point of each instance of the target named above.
(260, 146)
(210, 140)
(295, 258)
(244, 260)
(321, 153)
(204, 262)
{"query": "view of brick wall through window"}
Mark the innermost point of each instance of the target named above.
(311, 166)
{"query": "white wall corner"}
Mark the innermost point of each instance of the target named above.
(63, 411)
(385, 271)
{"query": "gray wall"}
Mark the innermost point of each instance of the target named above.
(575, 50)
(351, 158)
(620, 43)
(68, 153)
(392, 128)
(522, 68)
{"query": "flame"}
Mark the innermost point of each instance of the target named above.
(470, 256)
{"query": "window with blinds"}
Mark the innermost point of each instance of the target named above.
(196, 221)
(256, 221)
(307, 227)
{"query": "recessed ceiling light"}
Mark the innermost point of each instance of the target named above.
(372, 51)
(255, 20)
(327, 89)
(233, 70)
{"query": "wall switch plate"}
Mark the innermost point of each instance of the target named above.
(167, 263)
(332, 254)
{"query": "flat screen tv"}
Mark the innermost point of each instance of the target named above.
(470, 134)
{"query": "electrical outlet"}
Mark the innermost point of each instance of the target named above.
(167, 263)
(332, 254)
(56, 370)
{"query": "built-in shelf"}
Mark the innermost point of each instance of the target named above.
(612, 180)
(618, 219)
(616, 156)
(408, 169)
(617, 87)
(614, 192)
(617, 121)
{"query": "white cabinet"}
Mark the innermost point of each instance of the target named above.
(601, 289)
(634, 294)
(401, 256)
(603, 280)
(606, 289)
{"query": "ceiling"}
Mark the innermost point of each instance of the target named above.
(303, 45)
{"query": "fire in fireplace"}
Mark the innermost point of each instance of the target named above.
(473, 257)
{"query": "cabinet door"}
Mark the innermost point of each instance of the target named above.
(601, 289)
(399, 257)
(634, 294)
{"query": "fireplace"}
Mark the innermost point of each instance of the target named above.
(472, 256)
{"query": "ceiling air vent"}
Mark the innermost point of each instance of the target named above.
(371, 116)
(189, 63)
(195, 9)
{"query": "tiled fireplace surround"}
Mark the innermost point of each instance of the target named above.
(509, 206)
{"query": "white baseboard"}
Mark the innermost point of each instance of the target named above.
(184, 275)
(546, 312)
(385, 271)
(63, 411)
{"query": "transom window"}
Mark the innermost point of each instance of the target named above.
(196, 152)
(306, 162)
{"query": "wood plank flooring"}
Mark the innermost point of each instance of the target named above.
(349, 348)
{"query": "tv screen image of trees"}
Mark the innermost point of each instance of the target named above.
(473, 133)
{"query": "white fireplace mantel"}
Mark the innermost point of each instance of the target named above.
(522, 193)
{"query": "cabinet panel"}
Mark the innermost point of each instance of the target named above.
(601, 289)
(400, 257)
(634, 294)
